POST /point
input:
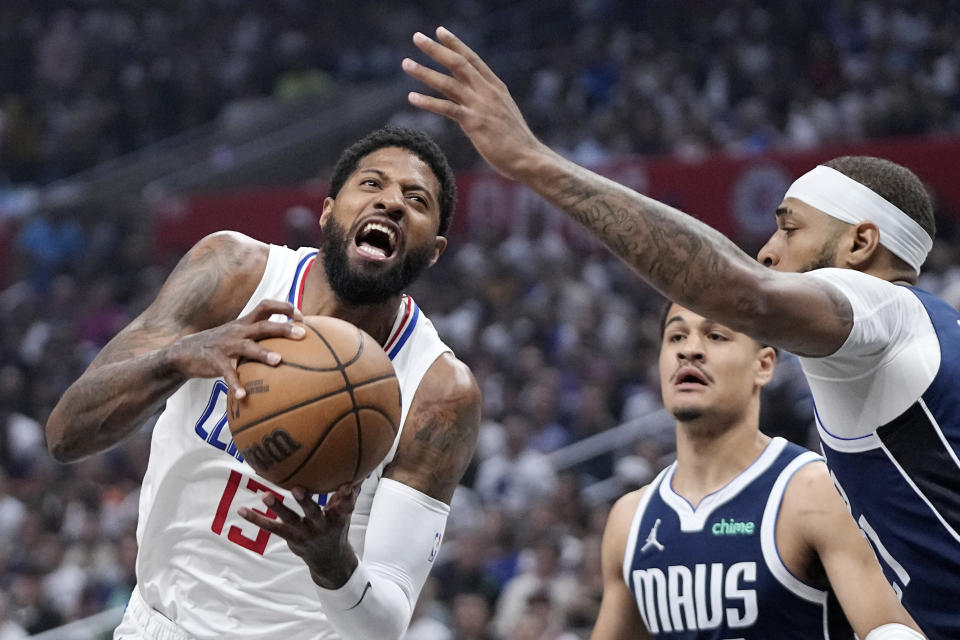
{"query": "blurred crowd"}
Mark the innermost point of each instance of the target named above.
(83, 82)
(561, 336)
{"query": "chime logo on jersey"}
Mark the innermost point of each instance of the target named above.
(732, 528)
(705, 598)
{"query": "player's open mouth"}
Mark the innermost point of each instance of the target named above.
(690, 376)
(376, 241)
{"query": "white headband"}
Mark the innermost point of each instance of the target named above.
(846, 199)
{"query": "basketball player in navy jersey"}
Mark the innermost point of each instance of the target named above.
(839, 292)
(224, 553)
(744, 536)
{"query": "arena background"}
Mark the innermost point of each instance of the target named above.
(129, 130)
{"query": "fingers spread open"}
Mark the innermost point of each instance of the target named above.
(435, 105)
(458, 65)
(454, 43)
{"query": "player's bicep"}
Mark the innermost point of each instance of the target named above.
(202, 291)
(440, 432)
(802, 314)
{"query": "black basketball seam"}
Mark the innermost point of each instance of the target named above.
(352, 359)
(243, 428)
(313, 451)
(349, 389)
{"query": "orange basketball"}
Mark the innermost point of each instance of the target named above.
(326, 415)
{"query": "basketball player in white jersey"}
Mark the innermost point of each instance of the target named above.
(743, 536)
(877, 352)
(224, 553)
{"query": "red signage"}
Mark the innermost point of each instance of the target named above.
(736, 195)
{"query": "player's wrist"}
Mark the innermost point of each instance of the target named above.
(342, 583)
(894, 631)
(334, 575)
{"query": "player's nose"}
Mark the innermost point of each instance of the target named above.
(692, 349)
(767, 256)
(392, 202)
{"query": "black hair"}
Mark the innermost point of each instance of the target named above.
(894, 183)
(417, 142)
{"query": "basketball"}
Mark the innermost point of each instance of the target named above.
(326, 415)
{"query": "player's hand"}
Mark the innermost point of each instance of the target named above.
(476, 99)
(319, 537)
(215, 352)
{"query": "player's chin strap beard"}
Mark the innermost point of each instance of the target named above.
(845, 199)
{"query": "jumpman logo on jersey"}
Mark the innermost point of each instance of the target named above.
(652, 538)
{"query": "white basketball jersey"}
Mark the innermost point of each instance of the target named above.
(200, 564)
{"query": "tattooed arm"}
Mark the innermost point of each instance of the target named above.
(185, 333)
(441, 433)
(681, 257)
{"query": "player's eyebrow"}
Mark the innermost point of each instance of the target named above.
(671, 320)
(410, 186)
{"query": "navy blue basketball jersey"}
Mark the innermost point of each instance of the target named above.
(714, 572)
(903, 487)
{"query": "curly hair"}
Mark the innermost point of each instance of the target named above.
(892, 182)
(417, 142)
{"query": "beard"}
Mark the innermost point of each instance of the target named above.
(827, 257)
(355, 287)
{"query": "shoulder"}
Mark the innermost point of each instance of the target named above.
(214, 280)
(449, 381)
(864, 291)
(233, 244)
(811, 503)
(617, 529)
(622, 512)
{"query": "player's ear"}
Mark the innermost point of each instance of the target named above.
(439, 245)
(766, 360)
(327, 210)
(862, 245)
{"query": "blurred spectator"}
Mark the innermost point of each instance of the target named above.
(518, 475)
(536, 598)
(471, 617)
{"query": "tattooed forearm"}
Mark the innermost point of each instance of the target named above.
(141, 366)
(677, 254)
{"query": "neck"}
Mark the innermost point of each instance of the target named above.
(708, 458)
(319, 300)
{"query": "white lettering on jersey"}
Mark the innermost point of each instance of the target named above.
(679, 600)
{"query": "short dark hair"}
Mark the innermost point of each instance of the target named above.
(894, 183)
(418, 143)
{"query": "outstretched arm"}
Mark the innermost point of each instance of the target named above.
(681, 257)
(181, 335)
(374, 597)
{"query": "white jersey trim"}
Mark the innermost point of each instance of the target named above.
(768, 533)
(695, 518)
(631, 548)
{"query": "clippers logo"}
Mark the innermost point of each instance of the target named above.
(436, 546)
(275, 447)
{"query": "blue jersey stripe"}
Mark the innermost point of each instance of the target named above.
(406, 334)
(292, 296)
